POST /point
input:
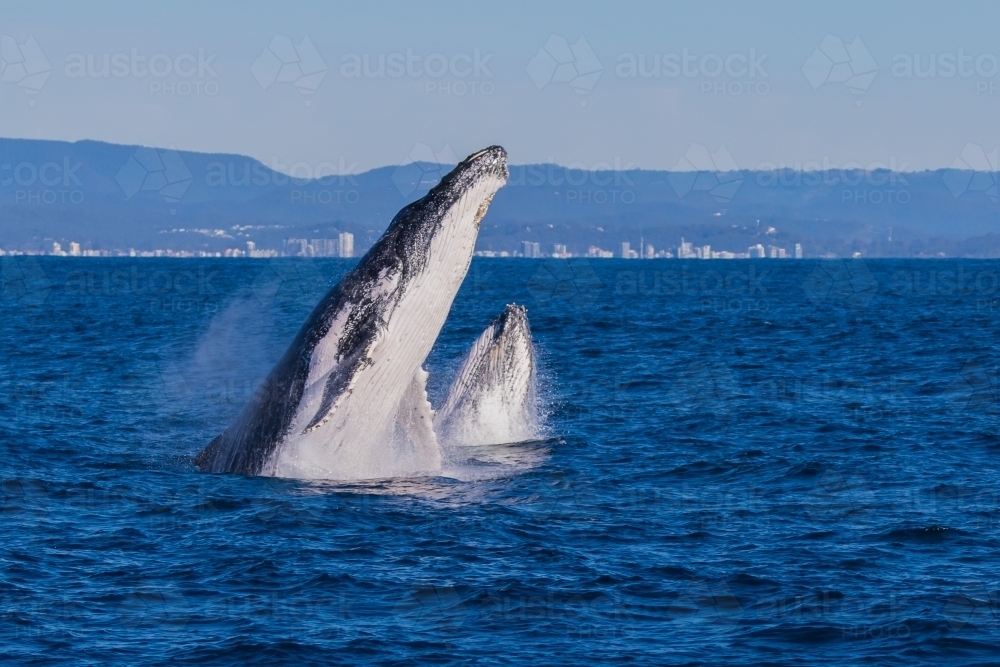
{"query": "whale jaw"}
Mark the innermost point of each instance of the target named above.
(492, 400)
(348, 400)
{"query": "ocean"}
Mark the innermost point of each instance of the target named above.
(740, 462)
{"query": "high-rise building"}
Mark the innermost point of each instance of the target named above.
(559, 250)
(74, 249)
(756, 251)
(650, 251)
(626, 250)
(532, 249)
(254, 251)
(324, 248)
(685, 251)
(798, 251)
(345, 243)
(297, 247)
(594, 251)
(57, 248)
(706, 252)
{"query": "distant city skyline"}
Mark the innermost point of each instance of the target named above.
(712, 86)
(343, 247)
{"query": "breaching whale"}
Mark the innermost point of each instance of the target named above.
(348, 400)
(491, 400)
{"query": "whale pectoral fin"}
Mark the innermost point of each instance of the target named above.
(416, 418)
(337, 383)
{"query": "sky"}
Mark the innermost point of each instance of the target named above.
(662, 85)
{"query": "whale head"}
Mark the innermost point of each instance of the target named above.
(510, 357)
(481, 174)
(456, 205)
(513, 323)
(446, 218)
(492, 398)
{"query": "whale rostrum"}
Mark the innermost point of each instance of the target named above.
(491, 401)
(347, 400)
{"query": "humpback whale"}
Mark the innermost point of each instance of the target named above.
(347, 400)
(491, 400)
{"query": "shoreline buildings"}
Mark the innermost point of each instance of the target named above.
(343, 247)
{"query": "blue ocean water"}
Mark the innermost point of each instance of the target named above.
(744, 462)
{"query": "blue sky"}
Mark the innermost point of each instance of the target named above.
(840, 84)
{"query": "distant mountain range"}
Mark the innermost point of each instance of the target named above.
(109, 196)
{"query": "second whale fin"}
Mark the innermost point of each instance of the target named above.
(416, 419)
